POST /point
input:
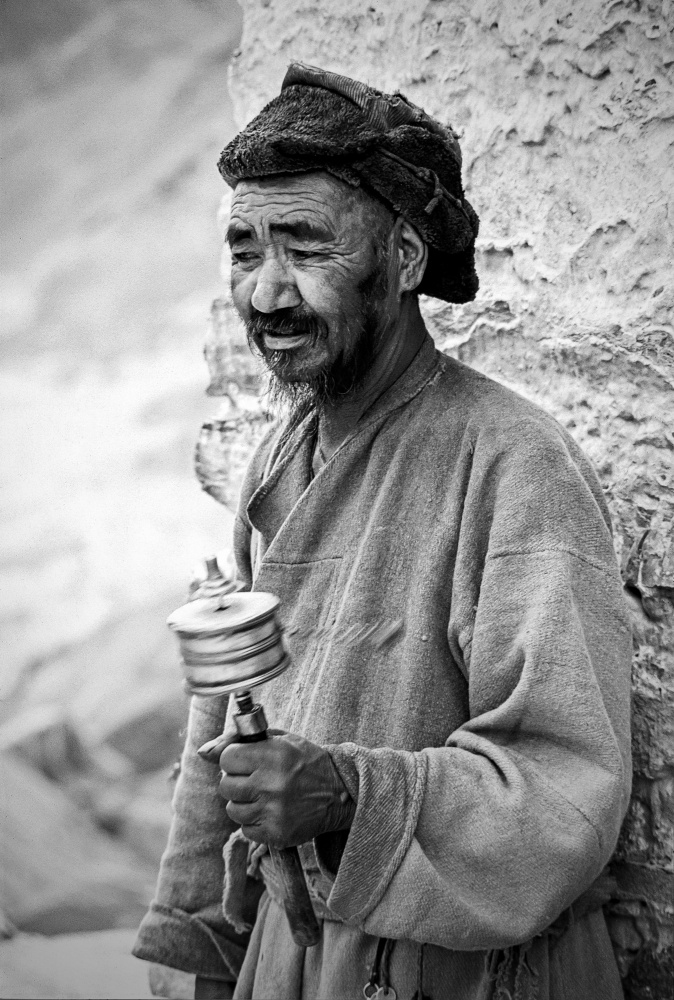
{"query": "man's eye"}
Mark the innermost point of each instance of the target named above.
(297, 254)
(245, 256)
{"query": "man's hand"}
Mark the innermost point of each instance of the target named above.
(284, 790)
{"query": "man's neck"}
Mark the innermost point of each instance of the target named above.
(398, 350)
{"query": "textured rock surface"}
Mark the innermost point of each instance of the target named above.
(567, 120)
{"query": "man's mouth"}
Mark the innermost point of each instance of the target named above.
(286, 341)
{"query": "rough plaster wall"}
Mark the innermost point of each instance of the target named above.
(566, 113)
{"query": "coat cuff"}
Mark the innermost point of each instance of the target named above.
(388, 787)
(181, 940)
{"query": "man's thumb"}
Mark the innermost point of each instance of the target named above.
(212, 749)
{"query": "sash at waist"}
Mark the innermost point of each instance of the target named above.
(319, 885)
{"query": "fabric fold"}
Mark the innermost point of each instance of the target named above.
(185, 927)
(242, 860)
(169, 936)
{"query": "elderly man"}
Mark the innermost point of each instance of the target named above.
(453, 748)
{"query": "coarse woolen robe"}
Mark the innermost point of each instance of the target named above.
(461, 645)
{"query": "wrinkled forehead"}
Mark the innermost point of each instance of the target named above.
(323, 201)
(317, 191)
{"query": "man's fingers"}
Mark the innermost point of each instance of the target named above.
(237, 788)
(246, 814)
(212, 750)
(244, 758)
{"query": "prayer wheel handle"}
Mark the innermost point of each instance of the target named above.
(304, 927)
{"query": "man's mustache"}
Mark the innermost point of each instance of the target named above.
(285, 323)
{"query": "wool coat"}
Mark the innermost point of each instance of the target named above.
(461, 645)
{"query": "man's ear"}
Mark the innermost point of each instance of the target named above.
(412, 256)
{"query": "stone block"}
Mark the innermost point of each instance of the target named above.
(150, 730)
(61, 873)
(87, 966)
(46, 739)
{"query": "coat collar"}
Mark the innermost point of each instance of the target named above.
(288, 474)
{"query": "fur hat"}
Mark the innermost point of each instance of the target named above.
(382, 142)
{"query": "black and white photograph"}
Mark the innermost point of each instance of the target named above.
(337, 490)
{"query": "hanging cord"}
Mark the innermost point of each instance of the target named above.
(419, 994)
(386, 968)
(378, 986)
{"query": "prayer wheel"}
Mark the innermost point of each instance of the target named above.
(231, 642)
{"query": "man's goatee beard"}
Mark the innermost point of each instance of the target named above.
(344, 376)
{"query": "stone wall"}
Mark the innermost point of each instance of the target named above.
(565, 112)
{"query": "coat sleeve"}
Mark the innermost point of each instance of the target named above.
(483, 842)
(185, 927)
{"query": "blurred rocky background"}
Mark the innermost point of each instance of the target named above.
(114, 113)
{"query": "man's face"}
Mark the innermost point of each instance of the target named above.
(308, 281)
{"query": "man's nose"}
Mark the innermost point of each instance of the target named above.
(275, 288)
